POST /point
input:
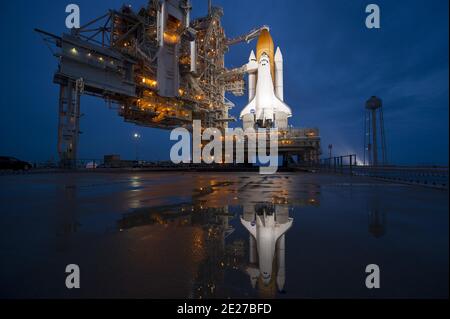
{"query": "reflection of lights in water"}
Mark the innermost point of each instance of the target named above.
(134, 203)
(136, 182)
(198, 250)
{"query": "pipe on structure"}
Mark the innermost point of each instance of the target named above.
(193, 50)
(209, 7)
(161, 23)
(188, 8)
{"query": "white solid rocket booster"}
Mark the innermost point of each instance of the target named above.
(252, 67)
(281, 251)
(279, 74)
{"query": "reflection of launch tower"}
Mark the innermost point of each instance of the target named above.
(374, 130)
(377, 216)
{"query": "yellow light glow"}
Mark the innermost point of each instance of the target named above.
(149, 82)
(171, 38)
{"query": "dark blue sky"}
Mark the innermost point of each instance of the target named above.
(332, 65)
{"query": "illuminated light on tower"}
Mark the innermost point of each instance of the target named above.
(374, 133)
(136, 137)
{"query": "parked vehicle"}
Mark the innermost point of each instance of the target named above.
(7, 162)
(91, 165)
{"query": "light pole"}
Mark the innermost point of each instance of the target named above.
(136, 137)
(330, 148)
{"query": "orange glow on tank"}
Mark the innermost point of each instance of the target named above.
(265, 44)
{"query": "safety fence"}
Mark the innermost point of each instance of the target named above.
(433, 176)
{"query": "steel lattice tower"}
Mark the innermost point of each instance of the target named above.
(374, 133)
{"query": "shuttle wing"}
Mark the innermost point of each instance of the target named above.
(282, 228)
(250, 227)
(249, 109)
(280, 106)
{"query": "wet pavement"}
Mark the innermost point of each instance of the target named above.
(220, 235)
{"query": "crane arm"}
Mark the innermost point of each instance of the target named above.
(247, 37)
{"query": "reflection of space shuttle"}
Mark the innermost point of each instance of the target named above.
(269, 236)
(266, 107)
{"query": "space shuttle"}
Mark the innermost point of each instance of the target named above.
(266, 232)
(266, 108)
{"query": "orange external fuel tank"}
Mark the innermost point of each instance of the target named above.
(265, 44)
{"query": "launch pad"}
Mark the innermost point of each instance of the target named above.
(159, 68)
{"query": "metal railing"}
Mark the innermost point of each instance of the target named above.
(418, 175)
(425, 176)
(339, 164)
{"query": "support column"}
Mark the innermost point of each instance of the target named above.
(68, 125)
(374, 136)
